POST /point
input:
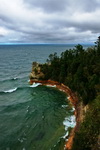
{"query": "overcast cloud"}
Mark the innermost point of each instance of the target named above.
(49, 21)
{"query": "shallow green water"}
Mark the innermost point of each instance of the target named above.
(32, 118)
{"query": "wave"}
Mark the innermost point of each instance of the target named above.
(12, 79)
(11, 90)
(64, 106)
(66, 135)
(19, 88)
(69, 122)
(35, 84)
(51, 85)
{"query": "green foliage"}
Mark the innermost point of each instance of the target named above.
(98, 45)
(36, 71)
(46, 69)
(80, 70)
(88, 136)
(77, 68)
(51, 69)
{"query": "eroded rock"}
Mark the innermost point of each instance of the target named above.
(36, 73)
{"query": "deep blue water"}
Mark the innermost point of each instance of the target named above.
(31, 118)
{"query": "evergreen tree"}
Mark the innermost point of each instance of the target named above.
(97, 44)
(77, 68)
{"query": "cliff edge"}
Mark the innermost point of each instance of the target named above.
(37, 76)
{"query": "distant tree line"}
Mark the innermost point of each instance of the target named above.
(78, 68)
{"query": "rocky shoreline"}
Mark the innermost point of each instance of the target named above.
(73, 99)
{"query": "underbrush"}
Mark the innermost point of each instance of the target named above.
(88, 137)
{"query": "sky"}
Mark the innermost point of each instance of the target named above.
(49, 21)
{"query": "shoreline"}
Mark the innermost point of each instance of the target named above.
(73, 99)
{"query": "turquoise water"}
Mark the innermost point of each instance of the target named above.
(31, 117)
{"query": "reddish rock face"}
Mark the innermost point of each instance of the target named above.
(73, 99)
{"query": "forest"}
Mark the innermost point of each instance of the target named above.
(79, 69)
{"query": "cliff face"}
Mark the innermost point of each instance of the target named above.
(36, 73)
(36, 76)
(73, 99)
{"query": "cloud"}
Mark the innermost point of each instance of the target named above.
(3, 31)
(49, 6)
(52, 21)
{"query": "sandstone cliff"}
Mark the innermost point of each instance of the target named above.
(36, 73)
(37, 76)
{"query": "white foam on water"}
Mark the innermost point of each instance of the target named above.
(64, 106)
(73, 109)
(51, 85)
(21, 140)
(65, 135)
(15, 78)
(11, 90)
(35, 84)
(69, 122)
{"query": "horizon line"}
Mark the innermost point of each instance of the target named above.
(46, 43)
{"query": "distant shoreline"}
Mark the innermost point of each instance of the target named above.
(44, 44)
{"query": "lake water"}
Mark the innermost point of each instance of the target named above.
(31, 118)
